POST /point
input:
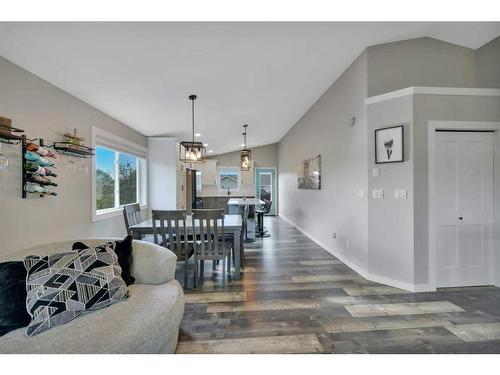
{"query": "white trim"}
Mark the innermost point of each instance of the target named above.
(431, 167)
(417, 90)
(117, 143)
(363, 272)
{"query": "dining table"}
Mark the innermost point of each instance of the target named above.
(232, 225)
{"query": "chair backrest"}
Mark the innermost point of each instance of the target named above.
(132, 215)
(172, 231)
(210, 232)
(268, 206)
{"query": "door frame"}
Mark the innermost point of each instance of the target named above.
(431, 139)
(274, 184)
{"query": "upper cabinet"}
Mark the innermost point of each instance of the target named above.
(208, 172)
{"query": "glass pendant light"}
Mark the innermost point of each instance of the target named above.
(246, 155)
(191, 151)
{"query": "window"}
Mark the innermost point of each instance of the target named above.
(229, 179)
(119, 177)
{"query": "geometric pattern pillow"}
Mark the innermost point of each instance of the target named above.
(61, 287)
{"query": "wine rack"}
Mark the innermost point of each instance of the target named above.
(10, 135)
(24, 142)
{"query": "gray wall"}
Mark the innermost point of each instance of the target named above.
(438, 108)
(388, 237)
(325, 130)
(419, 62)
(45, 111)
(263, 156)
(488, 64)
(390, 221)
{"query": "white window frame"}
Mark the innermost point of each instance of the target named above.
(102, 138)
(236, 169)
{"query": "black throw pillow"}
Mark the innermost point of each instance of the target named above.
(13, 313)
(123, 250)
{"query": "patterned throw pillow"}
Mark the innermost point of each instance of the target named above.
(63, 286)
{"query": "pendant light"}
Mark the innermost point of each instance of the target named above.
(191, 152)
(246, 155)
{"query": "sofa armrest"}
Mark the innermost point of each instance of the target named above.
(152, 264)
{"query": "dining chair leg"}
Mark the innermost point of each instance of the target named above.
(223, 272)
(186, 273)
(195, 276)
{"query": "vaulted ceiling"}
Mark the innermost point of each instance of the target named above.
(266, 75)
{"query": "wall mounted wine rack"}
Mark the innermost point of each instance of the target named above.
(37, 188)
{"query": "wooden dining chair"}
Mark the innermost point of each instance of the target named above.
(211, 244)
(132, 215)
(172, 234)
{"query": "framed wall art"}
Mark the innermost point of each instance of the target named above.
(389, 144)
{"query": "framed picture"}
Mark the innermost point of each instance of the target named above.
(310, 173)
(389, 145)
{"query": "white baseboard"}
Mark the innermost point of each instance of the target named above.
(362, 271)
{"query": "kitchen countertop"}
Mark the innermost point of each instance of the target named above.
(228, 196)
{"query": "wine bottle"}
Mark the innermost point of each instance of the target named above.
(42, 171)
(34, 157)
(40, 150)
(35, 188)
(40, 180)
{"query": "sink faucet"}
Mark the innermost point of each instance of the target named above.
(228, 191)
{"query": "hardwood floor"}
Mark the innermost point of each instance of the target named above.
(294, 297)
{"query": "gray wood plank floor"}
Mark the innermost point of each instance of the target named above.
(295, 297)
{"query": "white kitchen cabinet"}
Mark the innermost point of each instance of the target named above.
(209, 172)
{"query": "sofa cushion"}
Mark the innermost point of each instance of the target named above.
(123, 250)
(63, 286)
(13, 314)
(151, 316)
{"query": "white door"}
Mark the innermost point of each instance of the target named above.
(464, 208)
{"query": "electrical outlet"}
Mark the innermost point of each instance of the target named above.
(378, 194)
(376, 172)
(361, 193)
(334, 235)
(347, 244)
(400, 194)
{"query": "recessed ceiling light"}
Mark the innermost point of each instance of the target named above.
(205, 144)
(197, 135)
(210, 151)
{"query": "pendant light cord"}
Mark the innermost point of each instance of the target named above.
(245, 135)
(192, 113)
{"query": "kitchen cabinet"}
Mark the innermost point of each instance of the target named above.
(209, 172)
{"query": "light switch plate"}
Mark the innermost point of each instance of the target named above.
(376, 172)
(361, 193)
(400, 194)
(378, 194)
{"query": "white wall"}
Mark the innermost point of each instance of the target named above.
(325, 130)
(162, 173)
(45, 111)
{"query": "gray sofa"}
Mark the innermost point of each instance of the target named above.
(147, 322)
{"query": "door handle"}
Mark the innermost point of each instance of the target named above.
(460, 218)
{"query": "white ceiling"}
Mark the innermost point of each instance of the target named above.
(264, 74)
